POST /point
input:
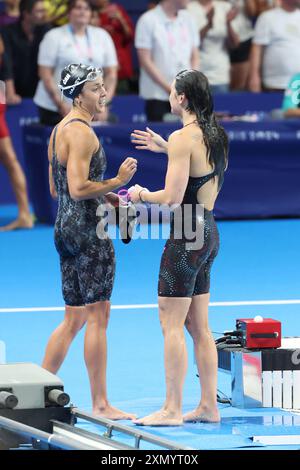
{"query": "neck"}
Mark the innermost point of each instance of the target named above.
(105, 5)
(287, 7)
(169, 9)
(78, 29)
(27, 27)
(205, 2)
(82, 113)
(187, 118)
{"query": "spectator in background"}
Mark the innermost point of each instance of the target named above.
(21, 41)
(74, 42)
(275, 52)
(115, 20)
(152, 4)
(214, 21)
(11, 12)
(239, 57)
(167, 42)
(10, 162)
(263, 5)
(57, 11)
(291, 100)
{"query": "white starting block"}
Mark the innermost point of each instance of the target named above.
(31, 385)
(33, 412)
(268, 378)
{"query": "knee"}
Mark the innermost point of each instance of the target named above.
(170, 328)
(9, 160)
(199, 334)
(98, 315)
(74, 325)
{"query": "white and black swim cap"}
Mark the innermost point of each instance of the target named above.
(74, 76)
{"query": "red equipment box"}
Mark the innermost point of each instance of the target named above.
(259, 333)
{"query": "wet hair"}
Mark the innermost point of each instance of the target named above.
(72, 4)
(194, 85)
(74, 77)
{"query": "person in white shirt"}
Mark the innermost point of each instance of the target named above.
(214, 21)
(239, 57)
(275, 53)
(74, 42)
(167, 42)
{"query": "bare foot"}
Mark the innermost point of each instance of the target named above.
(161, 418)
(202, 415)
(21, 222)
(109, 412)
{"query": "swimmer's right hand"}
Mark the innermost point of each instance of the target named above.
(127, 170)
(149, 140)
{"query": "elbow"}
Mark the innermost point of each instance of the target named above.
(76, 194)
(53, 194)
(76, 197)
(173, 201)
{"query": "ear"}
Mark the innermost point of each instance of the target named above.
(182, 99)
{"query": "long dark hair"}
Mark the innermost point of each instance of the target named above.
(72, 4)
(194, 85)
(26, 6)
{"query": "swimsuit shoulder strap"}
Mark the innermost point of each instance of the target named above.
(54, 141)
(79, 120)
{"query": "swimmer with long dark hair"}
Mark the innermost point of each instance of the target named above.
(197, 159)
(77, 164)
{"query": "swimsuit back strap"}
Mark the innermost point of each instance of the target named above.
(79, 120)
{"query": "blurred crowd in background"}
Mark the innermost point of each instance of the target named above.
(239, 45)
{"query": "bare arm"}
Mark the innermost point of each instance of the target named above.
(210, 16)
(11, 95)
(51, 182)
(149, 66)
(292, 112)
(195, 58)
(251, 8)
(80, 151)
(110, 81)
(256, 56)
(177, 175)
(233, 39)
(47, 75)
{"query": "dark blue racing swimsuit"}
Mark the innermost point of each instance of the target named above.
(185, 272)
(87, 262)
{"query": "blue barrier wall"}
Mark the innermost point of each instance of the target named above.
(262, 179)
(271, 144)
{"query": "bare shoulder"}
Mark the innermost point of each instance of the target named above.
(178, 137)
(179, 145)
(186, 136)
(79, 138)
(195, 133)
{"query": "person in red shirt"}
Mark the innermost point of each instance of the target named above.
(10, 162)
(116, 21)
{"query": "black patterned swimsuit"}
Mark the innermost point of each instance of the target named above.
(87, 262)
(185, 272)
